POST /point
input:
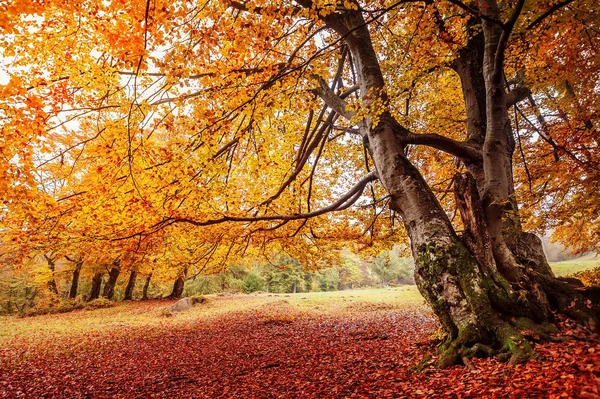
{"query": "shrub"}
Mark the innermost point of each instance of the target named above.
(99, 303)
(53, 307)
(200, 299)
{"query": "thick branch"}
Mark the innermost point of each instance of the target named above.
(507, 29)
(334, 101)
(460, 149)
(517, 95)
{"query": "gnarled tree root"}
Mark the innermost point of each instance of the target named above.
(505, 339)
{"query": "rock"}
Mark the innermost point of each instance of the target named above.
(181, 305)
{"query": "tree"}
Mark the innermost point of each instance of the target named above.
(348, 270)
(253, 141)
(252, 283)
(404, 265)
(384, 269)
(76, 272)
(130, 285)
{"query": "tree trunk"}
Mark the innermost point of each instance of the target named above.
(268, 286)
(178, 286)
(52, 282)
(146, 286)
(474, 283)
(130, 286)
(75, 280)
(113, 275)
(96, 285)
(294, 287)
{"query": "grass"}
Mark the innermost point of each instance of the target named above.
(148, 314)
(576, 265)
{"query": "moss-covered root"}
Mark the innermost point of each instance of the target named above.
(535, 331)
(515, 348)
(510, 345)
(454, 350)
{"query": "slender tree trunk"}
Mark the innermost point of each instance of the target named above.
(130, 285)
(268, 286)
(146, 286)
(113, 276)
(96, 286)
(75, 280)
(294, 287)
(52, 282)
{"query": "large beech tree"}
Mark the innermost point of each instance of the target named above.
(254, 123)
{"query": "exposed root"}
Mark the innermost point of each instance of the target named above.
(570, 300)
(508, 343)
(422, 365)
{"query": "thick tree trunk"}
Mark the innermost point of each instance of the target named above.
(96, 286)
(268, 286)
(75, 280)
(294, 287)
(475, 284)
(130, 285)
(146, 286)
(113, 276)
(178, 286)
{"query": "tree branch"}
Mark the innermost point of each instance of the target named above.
(517, 95)
(334, 101)
(342, 203)
(476, 12)
(460, 149)
(507, 29)
(545, 15)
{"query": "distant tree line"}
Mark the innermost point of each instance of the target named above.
(49, 287)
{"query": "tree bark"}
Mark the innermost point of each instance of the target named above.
(178, 286)
(146, 286)
(130, 285)
(52, 282)
(96, 286)
(474, 283)
(113, 275)
(75, 280)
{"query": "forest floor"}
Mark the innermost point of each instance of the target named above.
(348, 344)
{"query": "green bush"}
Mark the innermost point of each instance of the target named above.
(329, 280)
(252, 283)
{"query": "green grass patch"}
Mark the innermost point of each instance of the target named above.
(576, 265)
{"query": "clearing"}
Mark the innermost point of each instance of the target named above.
(345, 344)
